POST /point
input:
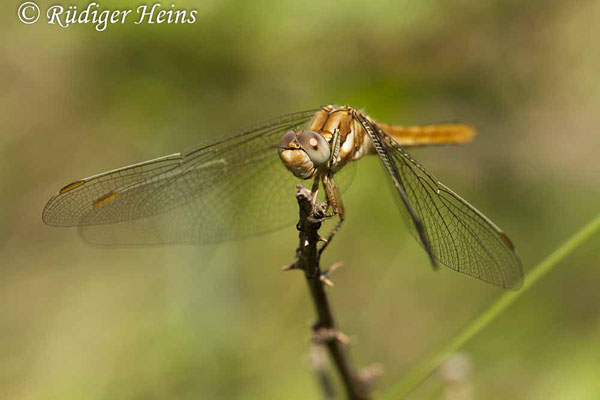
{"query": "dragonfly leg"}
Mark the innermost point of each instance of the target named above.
(314, 192)
(334, 199)
(332, 234)
(335, 149)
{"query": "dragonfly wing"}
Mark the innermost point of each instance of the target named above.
(227, 189)
(413, 218)
(457, 234)
(255, 200)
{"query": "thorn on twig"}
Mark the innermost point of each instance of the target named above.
(322, 239)
(324, 335)
(291, 266)
(331, 269)
(325, 275)
(325, 281)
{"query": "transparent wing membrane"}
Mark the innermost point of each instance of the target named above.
(454, 232)
(228, 189)
(460, 236)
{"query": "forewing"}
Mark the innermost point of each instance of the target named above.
(227, 189)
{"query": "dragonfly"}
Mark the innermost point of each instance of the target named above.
(239, 186)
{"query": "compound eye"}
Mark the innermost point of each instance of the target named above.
(286, 139)
(315, 146)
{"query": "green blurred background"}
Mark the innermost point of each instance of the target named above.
(222, 322)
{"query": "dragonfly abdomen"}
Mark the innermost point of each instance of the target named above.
(427, 135)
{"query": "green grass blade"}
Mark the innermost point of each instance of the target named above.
(423, 370)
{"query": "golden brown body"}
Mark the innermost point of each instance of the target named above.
(347, 141)
(354, 140)
(341, 124)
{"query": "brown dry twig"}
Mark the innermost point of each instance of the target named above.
(325, 332)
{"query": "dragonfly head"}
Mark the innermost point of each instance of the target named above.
(303, 152)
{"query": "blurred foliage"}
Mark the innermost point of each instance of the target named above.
(222, 322)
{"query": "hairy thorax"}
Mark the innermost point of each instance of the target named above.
(328, 122)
